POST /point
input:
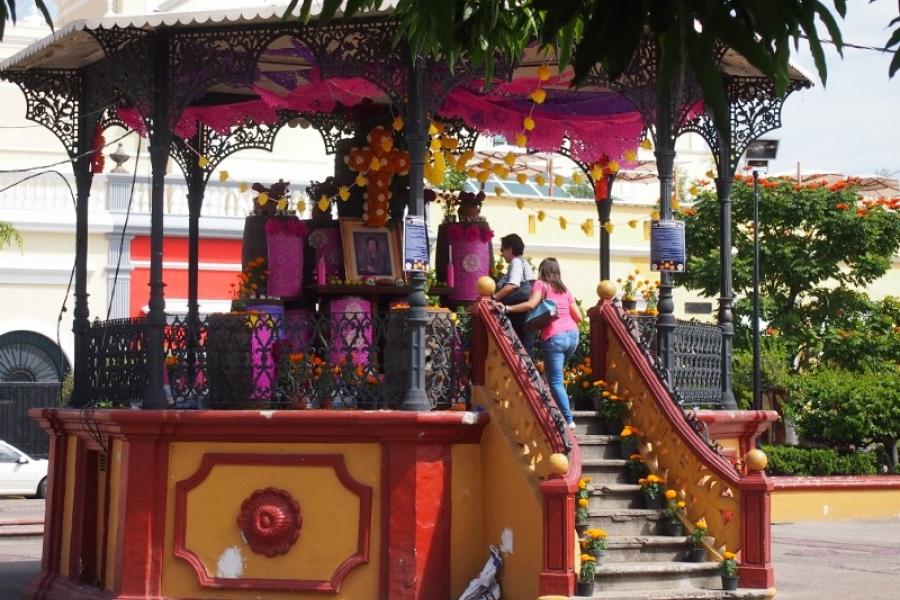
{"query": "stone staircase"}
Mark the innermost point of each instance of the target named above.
(640, 563)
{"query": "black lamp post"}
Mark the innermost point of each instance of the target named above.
(759, 153)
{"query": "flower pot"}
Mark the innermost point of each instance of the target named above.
(584, 588)
(628, 446)
(657, 503)
(696, 555)
(298, 402)
(674, 528)
(326, 402)
(629, 304)
(580, 528)
(612, 425)
(729, 582)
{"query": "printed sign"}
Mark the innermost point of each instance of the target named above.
(415, 245)
(667, 251)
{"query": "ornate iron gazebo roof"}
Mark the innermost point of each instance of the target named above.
(220, 81)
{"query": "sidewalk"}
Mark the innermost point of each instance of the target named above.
(839, 560)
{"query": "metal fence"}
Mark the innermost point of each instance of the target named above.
(698, 359)
(263, 360)
(15, 426)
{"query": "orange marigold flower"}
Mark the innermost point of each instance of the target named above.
(671, 494)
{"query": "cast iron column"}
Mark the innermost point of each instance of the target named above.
(604, 208)
(416, 397)
(724, 183)
(665, 164)
(81, 324)
(196, 180)
(160, 138)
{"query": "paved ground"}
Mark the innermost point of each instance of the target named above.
(821, 560)
(837, 560)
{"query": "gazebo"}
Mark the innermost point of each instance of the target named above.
(202, 86)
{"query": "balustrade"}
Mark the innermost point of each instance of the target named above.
(261, 360)
(674, 446)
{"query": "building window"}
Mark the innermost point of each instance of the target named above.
(29, 357)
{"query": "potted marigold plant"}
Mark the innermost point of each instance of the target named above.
(652, 489)
(697, 552)
(673, 511)
(637, 468)
(729, 569)
(613, 409)
(582, 503)
(594, 543)
(629, 440)
(585, 584)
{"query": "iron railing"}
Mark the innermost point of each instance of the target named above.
(15, 426)
(263, 360)
(698, 359)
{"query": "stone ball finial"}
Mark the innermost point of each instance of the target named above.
(757, 460)
(606, 289)
(485, 286)
(559, 464)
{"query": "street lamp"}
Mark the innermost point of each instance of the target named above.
(759, 153)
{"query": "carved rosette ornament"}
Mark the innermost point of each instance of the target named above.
(270, 521)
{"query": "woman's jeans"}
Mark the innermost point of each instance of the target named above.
(556, 351)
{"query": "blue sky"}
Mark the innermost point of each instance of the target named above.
(852, 125)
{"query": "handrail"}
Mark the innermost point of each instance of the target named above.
(526, 376)
(736, 507)
(505, 378)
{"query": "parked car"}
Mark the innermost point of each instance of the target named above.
(21, 475)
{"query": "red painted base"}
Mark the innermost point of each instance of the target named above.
(415, 554)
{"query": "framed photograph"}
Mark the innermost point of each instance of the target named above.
(370, 252)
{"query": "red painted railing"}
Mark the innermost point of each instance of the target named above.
(608, 331)
(557, 576)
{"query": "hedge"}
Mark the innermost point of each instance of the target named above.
(797, 460)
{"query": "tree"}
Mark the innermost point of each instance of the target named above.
(590, 32)
(843, 408)
(816, 243)
(8, 13)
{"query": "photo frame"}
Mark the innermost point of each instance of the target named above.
(371, 252)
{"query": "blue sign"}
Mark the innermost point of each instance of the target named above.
(667, 251)
(415, 245)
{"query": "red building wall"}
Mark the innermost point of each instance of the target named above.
(221, 257)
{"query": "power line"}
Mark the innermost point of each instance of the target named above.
(69, 160)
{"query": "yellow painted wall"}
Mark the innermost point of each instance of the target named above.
(468, 551)
(114, 472)
(818, 505)
(329, 530)
(511, 507)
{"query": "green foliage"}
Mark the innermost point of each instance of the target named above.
(8, 13)
(9, 235)
(590, 32)
(454, 181)
(580, 190)
(811, 241)
(797, 460)
(842, 408)
(774, 363)
(859, 333)
(695, 537)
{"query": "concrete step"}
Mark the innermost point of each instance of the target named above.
(615, 495)
(630, 576)
(680, 594)
(626, 521)
(605, 470)
(22, 530)
(588, 422)
(599, 446)
(649, 548)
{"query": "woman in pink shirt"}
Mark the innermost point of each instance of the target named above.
(559, 339)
